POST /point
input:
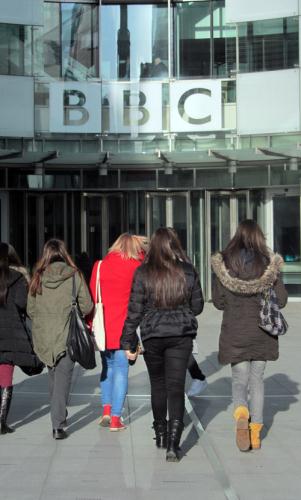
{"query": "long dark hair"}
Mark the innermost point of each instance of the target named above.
(54, 251)
(8, 256)
(165, 278)
(249, 241)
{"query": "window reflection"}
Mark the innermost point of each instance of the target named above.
(134, 41)
(268, 44)
(67, 45)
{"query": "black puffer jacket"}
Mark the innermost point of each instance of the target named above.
(14, 346)
(155, 322)
(241, 339)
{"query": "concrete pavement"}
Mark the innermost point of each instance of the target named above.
(95, 464)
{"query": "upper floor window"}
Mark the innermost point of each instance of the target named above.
(15, 50)
(269, 44)
(204, 43)
(67, 45)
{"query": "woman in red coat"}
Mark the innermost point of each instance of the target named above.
(116, 275)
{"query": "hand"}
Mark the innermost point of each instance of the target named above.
(131, 355)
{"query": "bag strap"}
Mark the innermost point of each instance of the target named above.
(98, 290)
(73, 290)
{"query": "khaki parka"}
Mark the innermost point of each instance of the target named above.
(49, 311)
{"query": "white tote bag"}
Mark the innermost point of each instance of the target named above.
(98, 327)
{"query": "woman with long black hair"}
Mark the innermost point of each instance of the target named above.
(49, 306)
(14, 346)
(244, 270)
(166, 296)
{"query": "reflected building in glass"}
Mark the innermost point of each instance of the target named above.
(127, 116)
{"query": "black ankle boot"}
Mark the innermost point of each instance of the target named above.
(175, 428)
(160, 428)
(6, 396)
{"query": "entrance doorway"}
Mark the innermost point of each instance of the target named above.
(103, 220)
(45, 217)
(224, 210)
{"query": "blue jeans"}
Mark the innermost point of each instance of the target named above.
(114, 379)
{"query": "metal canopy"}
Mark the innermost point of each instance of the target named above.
(183, 159)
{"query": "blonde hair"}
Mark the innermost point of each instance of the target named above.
(130, 246)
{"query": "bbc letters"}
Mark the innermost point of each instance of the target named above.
(135, 107)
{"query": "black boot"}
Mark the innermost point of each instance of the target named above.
(175, 428)
(6, 396)
(160, 428)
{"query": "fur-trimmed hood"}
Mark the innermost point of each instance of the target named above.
(247, 287)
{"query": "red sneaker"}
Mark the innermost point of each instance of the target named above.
(105, 419)
(116, 424)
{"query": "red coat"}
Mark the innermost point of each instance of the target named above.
(116, 276)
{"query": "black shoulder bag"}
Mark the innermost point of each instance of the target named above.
(79, 342)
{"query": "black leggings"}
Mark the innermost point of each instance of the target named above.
(194, 370)
(166, 359)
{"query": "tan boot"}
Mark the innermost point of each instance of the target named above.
(255, 435)
(241, 415)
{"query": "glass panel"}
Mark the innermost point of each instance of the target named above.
(2, 177)
(136, 179)
(115, 217)
(79, 41)
(16, 222)
(179, 216)
(47, 42)
(62, 180)
(32, 231)
(18, 178)
(269, 44)
(54, 212)
(67, 45)
(134, 41)
(192, 39)
(15, 50)
(241, 207)
(92, 179)
(220, 221)
(93, 221)
(158, 212)
(286, 213)
(254, 176)
(178, 179)
(217, 178)
(284, 176)
(224, 42)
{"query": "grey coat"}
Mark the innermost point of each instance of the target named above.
(241, 339)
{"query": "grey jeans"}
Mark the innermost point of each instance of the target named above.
(59, 389)
(247, 380)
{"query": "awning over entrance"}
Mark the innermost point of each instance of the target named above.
(195, 159)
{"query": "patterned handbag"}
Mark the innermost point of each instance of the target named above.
(272, 320)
